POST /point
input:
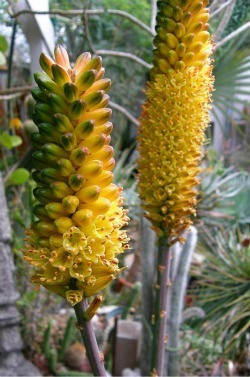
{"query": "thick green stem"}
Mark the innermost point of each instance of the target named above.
(89, 340)
(160, 313)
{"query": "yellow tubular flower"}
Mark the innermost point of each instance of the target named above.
(175, 115)
(78, 232)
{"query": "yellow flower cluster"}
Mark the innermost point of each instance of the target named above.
(175, 115)
(78, 235)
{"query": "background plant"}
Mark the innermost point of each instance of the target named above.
(224, 288)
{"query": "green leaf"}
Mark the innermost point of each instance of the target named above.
(5, 140)
(10, 141)
(16, 141)
(3, 44)
(19, 176)
(2, 59)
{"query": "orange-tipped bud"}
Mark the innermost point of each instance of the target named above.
(62, 57)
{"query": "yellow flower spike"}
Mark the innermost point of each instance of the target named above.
(176, 114)
(78, 232)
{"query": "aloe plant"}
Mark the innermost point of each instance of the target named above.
(225, 287)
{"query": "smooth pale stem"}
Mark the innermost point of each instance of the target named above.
(160, 312)
(89, 340)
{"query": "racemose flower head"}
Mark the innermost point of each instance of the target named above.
(175, 115)
(78, 232)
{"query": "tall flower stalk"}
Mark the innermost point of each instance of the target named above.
(171, 134)
(75, 241)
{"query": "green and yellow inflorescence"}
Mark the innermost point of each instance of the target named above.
(78, 235)
(175, 115)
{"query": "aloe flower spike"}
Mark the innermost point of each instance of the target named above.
(75, 241)
(171, 135)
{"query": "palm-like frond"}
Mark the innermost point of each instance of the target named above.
(232, 61)
(232, 85)
(221, 192)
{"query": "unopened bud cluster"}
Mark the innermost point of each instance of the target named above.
(78, 232)
(175, 115)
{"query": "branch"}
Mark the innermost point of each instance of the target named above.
(219, 9)
(124, 112)
(213, 5)
(8, 94)
(88, 35)
(153, 15)
(127, 55)
(225, 19)
(232, 35)
(131, 18)
(121, 54)
(72, 13)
